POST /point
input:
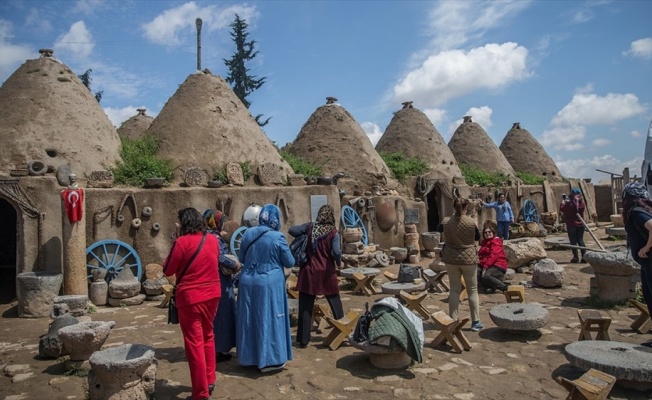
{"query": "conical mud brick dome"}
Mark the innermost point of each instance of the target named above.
(48, 115)
(135, 126)
(334, 140)
(525, 154)
(471, 145)
(412, 134)
(205, 125)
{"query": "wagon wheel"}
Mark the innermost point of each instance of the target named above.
(351, 219)
(236, 239)
(113, 256)
(529, 212)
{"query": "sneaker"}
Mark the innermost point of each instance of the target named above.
(211, 388)
(223, 357)
(490, 291)
(477, 326)
(575, 260)
(271, 368)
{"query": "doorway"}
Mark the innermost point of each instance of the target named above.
(433, 210)
(8, 228)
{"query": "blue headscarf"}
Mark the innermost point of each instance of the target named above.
(270, 216)
(575, 191)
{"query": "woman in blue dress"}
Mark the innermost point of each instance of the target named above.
(224, 324)
(263, 319)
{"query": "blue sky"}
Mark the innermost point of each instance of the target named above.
(576, 74)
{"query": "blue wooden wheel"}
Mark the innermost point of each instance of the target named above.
(113, 256)
(530, 212)
(351, 219)
(236, 239)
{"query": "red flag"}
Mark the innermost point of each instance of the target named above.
(73, 199)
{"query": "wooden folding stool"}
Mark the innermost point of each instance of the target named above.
(515, 294)
(593, 321)
(593, 385)
(413, 302)
(319, 311)
(434, 280)
(642, 323)
(363, 283)
(450, 331)
(342, 328)
(391, 277)
(167, 291)
(291, 286)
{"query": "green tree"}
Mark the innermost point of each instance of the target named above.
(242, 83)
(86, 80)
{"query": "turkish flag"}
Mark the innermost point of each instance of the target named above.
(73, 199)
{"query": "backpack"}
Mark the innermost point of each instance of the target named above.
(298, 248)
(361, 333)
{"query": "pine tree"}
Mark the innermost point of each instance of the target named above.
(242, 83)
(86, 80)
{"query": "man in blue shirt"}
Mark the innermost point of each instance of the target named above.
(504, 215)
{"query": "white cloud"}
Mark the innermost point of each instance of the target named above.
(118, 116)
(454, 73)
(11, 55)
(586, 89)
(586, 168)
(636, 134)
(373, 131)
(591, 109)
(567, 138)
(89, 6)
(169, 27)
(641, 48)
(601, 142)
(455, 23)
(35, 19)
(435, 115)
(481, 115)
(77, 42)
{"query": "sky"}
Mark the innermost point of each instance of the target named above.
(576, 74)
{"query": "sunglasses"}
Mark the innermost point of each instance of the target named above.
(485, 232)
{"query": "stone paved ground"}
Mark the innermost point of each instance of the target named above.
(501, 365)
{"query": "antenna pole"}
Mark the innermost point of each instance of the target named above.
(198, 23)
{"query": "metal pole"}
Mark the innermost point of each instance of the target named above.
(590, 231)
(198, 23)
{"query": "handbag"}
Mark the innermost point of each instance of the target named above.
(173, 313)
(408, 273)
(298, 248)
(361, 332)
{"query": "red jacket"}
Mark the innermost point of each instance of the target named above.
(570, 211)
(491, 254)
(201, 281)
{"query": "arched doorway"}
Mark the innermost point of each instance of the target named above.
(8, 221)
(433, 209)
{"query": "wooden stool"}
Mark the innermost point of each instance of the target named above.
(167, 291)
(643, 323)
(413, 302)
(464, 294)
(291, 286)
(434, 280)
(450, 332)
(593, 385)
(515, 294)
(391, 277)
(593, 321)
(319, 311)
(363, 284)
(342, 328)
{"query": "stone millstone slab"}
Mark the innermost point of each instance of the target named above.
(615, 263)
(348, 272)
(383, 356)
(625, 361)
(519, 316)
(395, 287)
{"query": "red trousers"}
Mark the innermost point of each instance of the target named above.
(196, 322)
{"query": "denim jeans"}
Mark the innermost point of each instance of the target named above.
(503, 229)
(576, 237)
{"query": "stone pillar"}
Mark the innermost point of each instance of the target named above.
(73, 238)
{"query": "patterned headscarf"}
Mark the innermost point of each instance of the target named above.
(325, 221)
(214, 219)
(270, 215)
(636, 190)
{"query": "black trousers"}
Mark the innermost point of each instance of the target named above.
(306, 304)
(492, 278)
(576, 238)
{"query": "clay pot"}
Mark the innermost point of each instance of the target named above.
(154, 182)
(214, 184)
(325, 180)
(399, 254)
(385, 216)
(430, 240)
(352, 235)
(230, 227)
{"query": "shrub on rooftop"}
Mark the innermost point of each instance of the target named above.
(140, 161)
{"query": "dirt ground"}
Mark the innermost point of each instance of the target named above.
(501, 365)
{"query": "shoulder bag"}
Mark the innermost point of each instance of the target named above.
(173, 313)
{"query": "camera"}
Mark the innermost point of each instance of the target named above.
(564, 197)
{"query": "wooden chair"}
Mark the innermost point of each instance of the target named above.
(434, 280)
(593, 321)
(342, 328)
(413, 302)
(363, 283)
(291, 286)
(643, 323)
(391, 277)
(167, 291)
(319, 311)
(515, 294)
(593, 385)
(450, 331)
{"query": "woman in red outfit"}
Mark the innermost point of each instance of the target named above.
(572, 209)
(319, 275)
(197, 297)
(491, 260)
